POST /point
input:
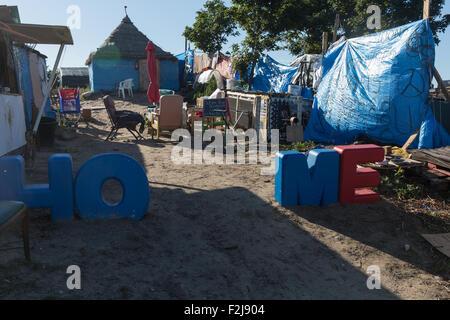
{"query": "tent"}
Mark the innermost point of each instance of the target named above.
(377, 86)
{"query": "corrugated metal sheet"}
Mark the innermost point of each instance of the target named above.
(75, 72)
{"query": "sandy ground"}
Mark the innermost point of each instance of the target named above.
(215, 232)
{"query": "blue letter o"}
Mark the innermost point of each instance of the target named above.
(92, 176)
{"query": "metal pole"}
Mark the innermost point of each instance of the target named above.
(47, 90)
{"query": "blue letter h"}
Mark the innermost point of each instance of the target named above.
(58, 194)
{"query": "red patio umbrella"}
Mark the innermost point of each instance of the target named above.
(153, 89)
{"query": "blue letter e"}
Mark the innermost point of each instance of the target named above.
(307, 181)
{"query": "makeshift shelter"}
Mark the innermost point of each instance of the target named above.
(272, 76)
(77, 77)
(123, 56)
(23, 72)
(309, 70)
(377, 86)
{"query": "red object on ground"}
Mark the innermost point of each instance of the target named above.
(435, 167)
(353, 179)
(152, 69)
(68, 94)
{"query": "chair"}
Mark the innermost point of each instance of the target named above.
(169, 115)
(123, 119)
(69, 107)
(10, 213)
(126, 85)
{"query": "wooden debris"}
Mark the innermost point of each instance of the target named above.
(439, 241)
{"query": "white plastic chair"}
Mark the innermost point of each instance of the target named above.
(126, 85)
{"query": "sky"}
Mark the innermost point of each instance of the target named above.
(162, 21)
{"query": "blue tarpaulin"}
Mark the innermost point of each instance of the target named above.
(186, 68)
(377, 86)
(271, 75)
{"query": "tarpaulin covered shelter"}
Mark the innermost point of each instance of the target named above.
(271, 75)
(377, 86)
(123, 56)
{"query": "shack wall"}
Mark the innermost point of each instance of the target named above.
(105, 74)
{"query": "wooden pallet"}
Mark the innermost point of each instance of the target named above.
(436, 179)
(394, 163)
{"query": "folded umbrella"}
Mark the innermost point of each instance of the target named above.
(153, 89)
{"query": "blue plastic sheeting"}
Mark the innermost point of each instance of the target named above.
(307, 93)
(432, 134)
(186, 73)
(271, 75)
(377, 86)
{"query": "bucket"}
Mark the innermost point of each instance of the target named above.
(46, 132)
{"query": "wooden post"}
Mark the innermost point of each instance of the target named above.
(324, 42)
(336, 27)
(426, 9)
(48, 89)
(441, 84)
(426, 16)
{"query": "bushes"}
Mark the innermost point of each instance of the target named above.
(205, 89)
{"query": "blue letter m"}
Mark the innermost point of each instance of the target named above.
(307, 181)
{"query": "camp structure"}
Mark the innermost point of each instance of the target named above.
(24, 88)
(77, 77)
(123, 56)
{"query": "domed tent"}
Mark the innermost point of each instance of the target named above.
(123, 56)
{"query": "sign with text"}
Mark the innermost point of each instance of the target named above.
(214, 107)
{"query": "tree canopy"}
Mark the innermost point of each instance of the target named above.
(298, 25)
(213, 24)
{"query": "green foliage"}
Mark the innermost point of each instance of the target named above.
(205, 89)
(212, 26)
(258, 19)
(304, 21)
(302, 146)
(398, 184)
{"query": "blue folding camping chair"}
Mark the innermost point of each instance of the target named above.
(69, 107)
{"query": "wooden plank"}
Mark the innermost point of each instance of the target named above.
(439, 241)
(411, 139)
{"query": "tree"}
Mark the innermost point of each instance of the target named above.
(212, 26)
(303, 35)
(259, 19)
